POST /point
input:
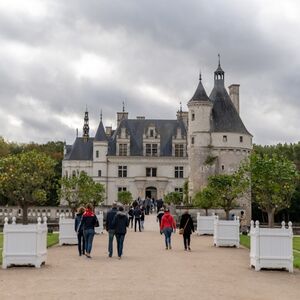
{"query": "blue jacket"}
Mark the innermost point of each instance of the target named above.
(109, 218)
(78, 222)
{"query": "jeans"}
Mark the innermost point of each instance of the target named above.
(131, 222)
(89, 236)
(120, 242)
(137, 220)
(186, 240)
(81, 242)
(111, 234)
(168, 232)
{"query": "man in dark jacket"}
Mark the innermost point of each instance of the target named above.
(79, 231)
(110, 229)
(137, 217)
(120, 223)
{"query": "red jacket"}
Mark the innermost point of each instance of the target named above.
(167, 221)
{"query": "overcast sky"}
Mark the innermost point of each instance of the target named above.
(57, 57)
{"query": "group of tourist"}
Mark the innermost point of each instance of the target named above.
(117, 222)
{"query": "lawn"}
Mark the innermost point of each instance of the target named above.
(52, 240)
(245, 241)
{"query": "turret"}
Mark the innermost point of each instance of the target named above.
(86, 128)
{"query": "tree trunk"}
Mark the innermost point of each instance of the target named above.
(271, 214)
(206, 211)
(25, 214)
(227, 214)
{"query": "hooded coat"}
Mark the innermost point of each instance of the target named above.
(120, 222)
(186, 222)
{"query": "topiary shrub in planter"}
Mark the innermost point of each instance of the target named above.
(24, 244)
(271, 248)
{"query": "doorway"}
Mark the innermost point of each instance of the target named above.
(151, 192)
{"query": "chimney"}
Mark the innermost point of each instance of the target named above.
(234, 93)
(108, 130)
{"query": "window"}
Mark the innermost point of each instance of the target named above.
(179, 190)
(192, 140)
(151, 132)
(73, 173)
(122, 171)
(151, 172)
(151, 149)
(99, 173)
(97, 153)
(223, 167)
(179, 150)
(122, 189)
(123, 149)
(241, 139)
(178, 172)
(193, 116)
(224, 138)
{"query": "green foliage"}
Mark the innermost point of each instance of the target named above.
(25, 178)
(173, 198)
(186, 192)
(210, 160)
(205, 199)
(273, 182)
(80, 190)
(125, 197)
(228, 188)
(245, 240)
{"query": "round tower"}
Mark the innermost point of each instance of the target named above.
(199, 138)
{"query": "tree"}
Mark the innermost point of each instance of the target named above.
(25, 179)
(4, 147)
(80, 190)
(173, 198)
(125, 197)
(273, 182)
(186, 192)
(228, 188)
(205, 199)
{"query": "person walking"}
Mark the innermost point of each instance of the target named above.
(187, 227)
(79, 231)
(130, 214)
(142, 218)
(160, 215)
(137, 217)
(120, 223)
(89, 222)
(167, 226)
(110, 229)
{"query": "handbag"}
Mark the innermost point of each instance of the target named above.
(181, 230)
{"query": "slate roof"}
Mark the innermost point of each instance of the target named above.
(81, 150)
(225, 117)
(136, 128)
(100, 134)
(200, 93)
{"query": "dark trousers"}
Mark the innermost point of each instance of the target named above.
(81, 242)
(111, 234)
(120, 242)
(186, 240)
(131, 222)
(137, 220)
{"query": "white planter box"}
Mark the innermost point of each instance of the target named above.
(226, 232)
(100, 220)
(24, 244)
(271, 247)
(205, 224)
(67, 233)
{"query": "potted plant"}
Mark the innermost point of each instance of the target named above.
(273, 182)
(205, 199)
(24, 180)
(76, 191)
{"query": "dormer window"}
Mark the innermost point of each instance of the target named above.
(151, 149)
(224, 138)
(179, 150)
(151, 133)
(241, 139)
(122, 149)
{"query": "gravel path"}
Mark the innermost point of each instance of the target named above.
(148, 271)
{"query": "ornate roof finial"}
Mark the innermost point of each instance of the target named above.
(180, 108)
(86, 108)
(219, 65)
(101, 115)
(200, 76)
(123, 106)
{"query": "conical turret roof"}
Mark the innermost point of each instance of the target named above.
(100, 134)
(200, 93)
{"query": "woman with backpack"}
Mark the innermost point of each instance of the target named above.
(167, 226)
